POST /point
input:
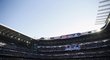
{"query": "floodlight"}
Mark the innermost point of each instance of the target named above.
(98, 30)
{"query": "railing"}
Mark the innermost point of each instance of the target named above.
(87, 45)
(77, 55)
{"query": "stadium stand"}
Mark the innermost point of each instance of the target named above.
(14, 45)
(86, 46)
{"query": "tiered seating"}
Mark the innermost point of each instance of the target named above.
(95, 46)
(15, 44)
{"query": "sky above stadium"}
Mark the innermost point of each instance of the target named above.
(47, 18)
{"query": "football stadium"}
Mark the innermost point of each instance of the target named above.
(90, 45)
